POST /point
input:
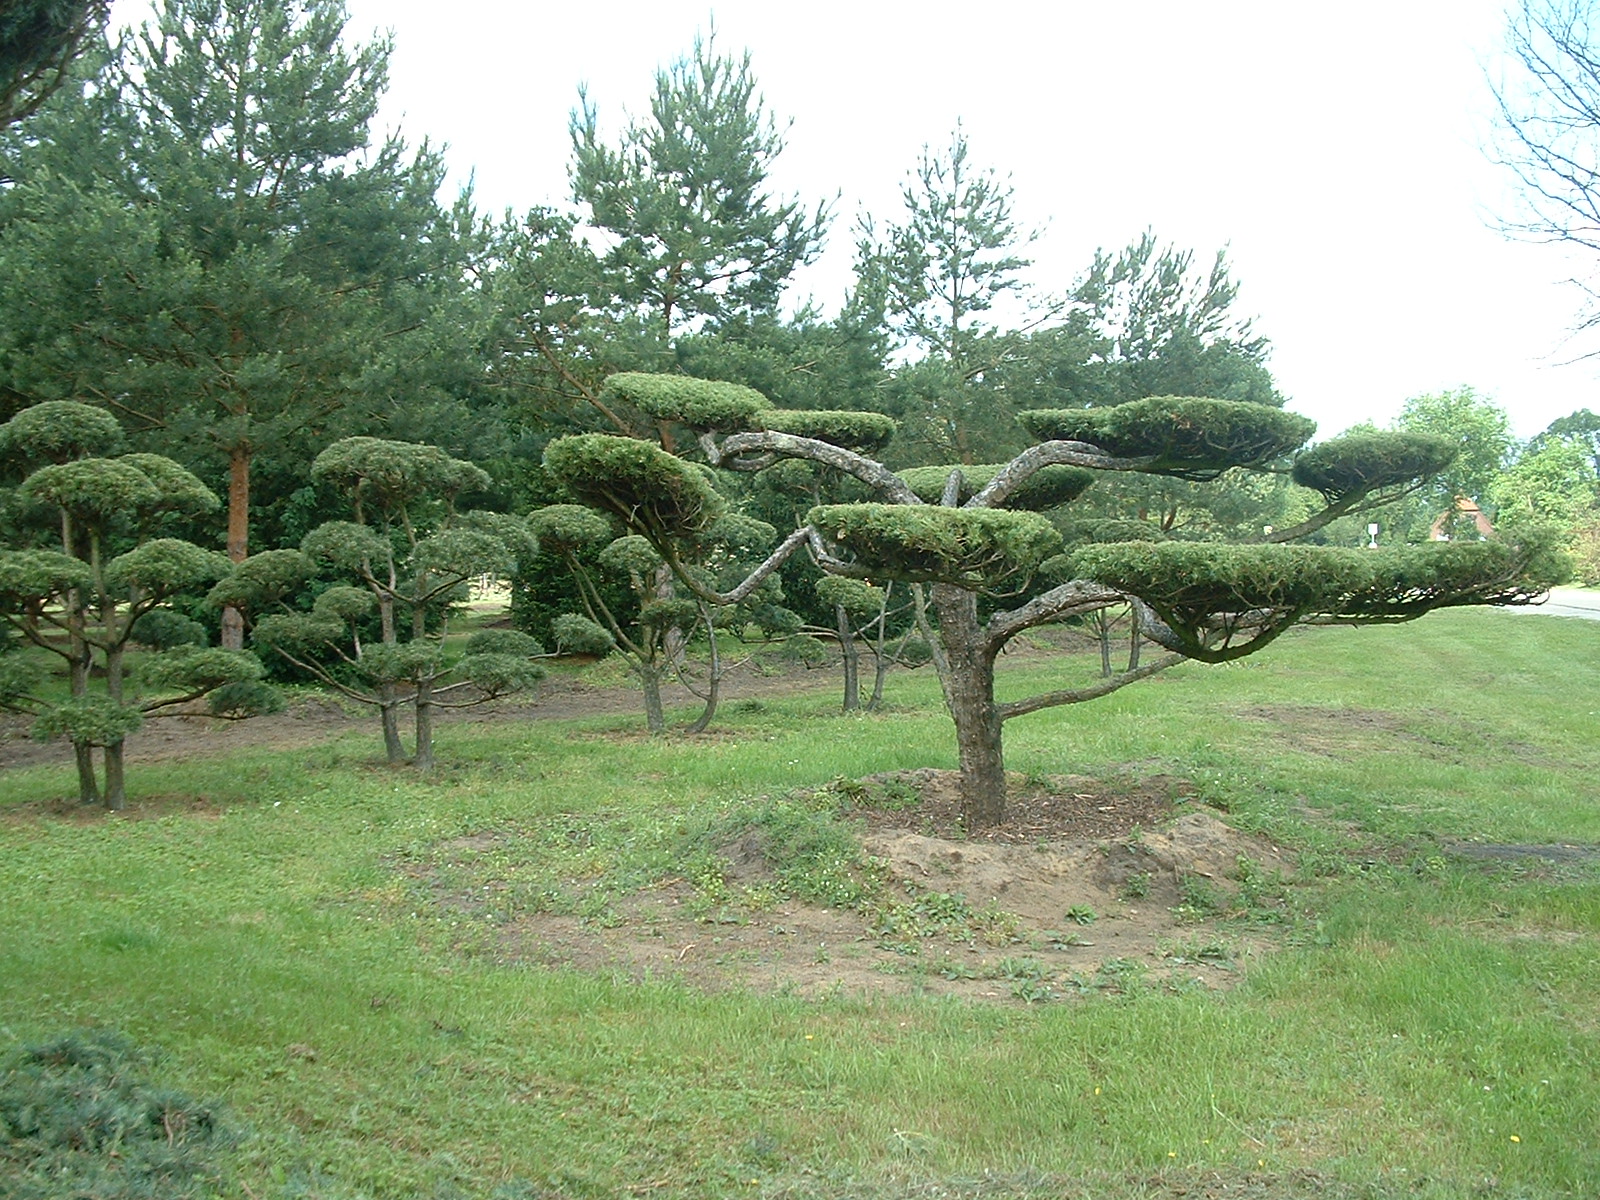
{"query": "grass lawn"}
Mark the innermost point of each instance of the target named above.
(1429, 1025)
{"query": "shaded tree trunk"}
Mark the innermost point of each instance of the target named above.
(232, 636)
(852, 658)
(655, 717)
(969, 695)
(423, 759)
(713, 676)
(389, 714)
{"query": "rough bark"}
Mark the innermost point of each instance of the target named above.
(232, 635)
(423, 758)
(389, 715)
(969, 694)
(655, 717)
(852, 659)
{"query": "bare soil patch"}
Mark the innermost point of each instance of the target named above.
(1087, 887)
(310, 721)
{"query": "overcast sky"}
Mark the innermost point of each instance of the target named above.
(1337, 151)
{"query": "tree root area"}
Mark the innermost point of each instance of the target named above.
(1087, 888)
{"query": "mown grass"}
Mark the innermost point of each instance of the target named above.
(1435, 1027)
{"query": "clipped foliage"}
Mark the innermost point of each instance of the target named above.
(503, 641)
(346, 545)
(244, 698)
(295, 633)
(500, 674)
(59, 431)
(163, 629)
(1111, 530)
(463, 552)
(1048, 487)
(863, 432)
(576, 634)
(80, 1116)
(1182, 436)
(391, 473)
(1360, 463)
(631, 555)
(856, 596)
(1407, 581)
(262, 579)
(646, 488)
(513, 533)
(345, 604)
(746, 535)
(1188, 581)
(97, 489)
(192, 668)
(671, 613)
(181, 490)
(698, 403)
(28, 575)
(164, 566)
(92, 720)
(979, 548)
(405, 662)
(569, 528)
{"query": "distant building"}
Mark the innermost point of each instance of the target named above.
(1455, 522)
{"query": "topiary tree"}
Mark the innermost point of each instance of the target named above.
(995, 569)
(87, 601)
(405, 559)
(654, 640)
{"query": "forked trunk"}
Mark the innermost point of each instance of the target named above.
(969, 695)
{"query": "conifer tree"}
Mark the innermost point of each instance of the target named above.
(996, 568)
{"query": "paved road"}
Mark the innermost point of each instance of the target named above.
(1566, 602)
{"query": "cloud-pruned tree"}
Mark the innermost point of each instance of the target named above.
(377, 636)
(87, 601)
(995, 567)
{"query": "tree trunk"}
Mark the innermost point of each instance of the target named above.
(232, 637)
(389, 714)
(88, 782)
(852, 659)
(116, 798)
(423, 759)
(969, 694)
(713, 676)
(116, 786)
(655, 717)
(1102, 624)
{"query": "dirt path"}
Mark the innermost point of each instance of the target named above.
(309, 722)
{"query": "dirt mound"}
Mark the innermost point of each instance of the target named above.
(1178, 904)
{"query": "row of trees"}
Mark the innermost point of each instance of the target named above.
(204, 252)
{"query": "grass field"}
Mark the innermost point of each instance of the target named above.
(1429, 1025)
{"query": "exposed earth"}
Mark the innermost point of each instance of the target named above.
(1088, 886)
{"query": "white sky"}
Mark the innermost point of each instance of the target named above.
(1336, 150)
